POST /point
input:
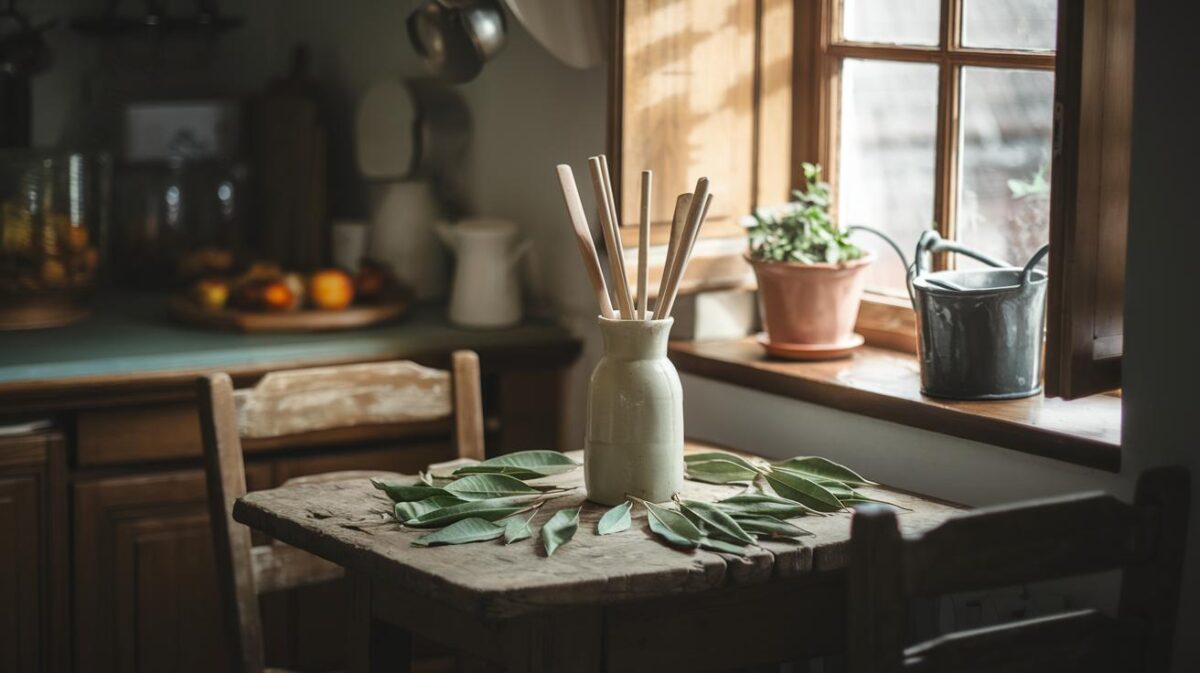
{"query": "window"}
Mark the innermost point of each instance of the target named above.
(931, 113)
(1005, 123)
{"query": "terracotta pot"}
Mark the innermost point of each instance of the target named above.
(810, 304)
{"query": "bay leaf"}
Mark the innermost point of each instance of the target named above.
(796, 486)
(705, 456)
(461, 532)
(764, 504)
(560, 529)
(719, 472)
(485, 486)
(489, 510)
(713, 544)
(769, 526)
(823, 469)
(673, 526)
(615, 520)
(523, 465)
(399, 492)
(517, 527)
(715, 522)
(405, 511)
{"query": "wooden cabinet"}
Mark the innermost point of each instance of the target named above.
(145, 586)
(32, 621)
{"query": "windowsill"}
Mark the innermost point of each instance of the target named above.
(885, 384)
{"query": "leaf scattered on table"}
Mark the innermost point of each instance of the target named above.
(560, 529)
(795, 486)
(405, 511)
(518, 527)
(489, 510)
(713, 544)
(714, 522)
(487, 486)
(616, 519)
(705, 456)
(523, 465)
(461, 532)
(769, 526)
(673, 526)
(406, 492)
(719, 471)
(764, 504)
(823, 469)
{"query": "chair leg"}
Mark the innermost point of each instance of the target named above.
(375, 645)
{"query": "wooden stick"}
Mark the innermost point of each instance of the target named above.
(583, 236)
(615, 219)
(682, 204)
(696, 215)
(612, 239)
(643, 273)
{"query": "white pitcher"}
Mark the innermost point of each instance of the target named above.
(486, 292)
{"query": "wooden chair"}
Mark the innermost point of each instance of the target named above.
(245, 571)
(1015, 545)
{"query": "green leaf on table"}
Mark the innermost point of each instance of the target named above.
(615, 520)
(517, 527)
(407, 492)
(719, 471)
(405, 511)
(764, 504)
(425, 478)
(461, 532)
(817, 468)
(489, 510)
(713, 544)
(486, 486)
(714, 522)
(769, 526)
(796, 486)
(705, 456)
(523, 465)
(850, 496)
(673, 526)
(560, 529)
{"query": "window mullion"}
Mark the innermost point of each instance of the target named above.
(946, 165)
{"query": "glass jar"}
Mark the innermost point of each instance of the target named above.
(53, 210)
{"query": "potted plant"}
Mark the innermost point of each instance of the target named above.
(810, 278)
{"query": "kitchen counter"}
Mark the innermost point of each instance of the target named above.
(129, 341)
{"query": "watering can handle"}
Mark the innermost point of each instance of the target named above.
(1027, 272)
(899, 253)
(931, 241)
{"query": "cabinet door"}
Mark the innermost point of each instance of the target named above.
(146, 590)
(21, 619)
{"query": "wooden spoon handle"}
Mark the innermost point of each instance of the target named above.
(612, 235)
(643, 273)
(682, 204)
(583, 236)
(696, 214)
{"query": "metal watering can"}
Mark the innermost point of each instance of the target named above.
(979, 331)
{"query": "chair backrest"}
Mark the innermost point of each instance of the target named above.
(307, 402)
(1017, 544)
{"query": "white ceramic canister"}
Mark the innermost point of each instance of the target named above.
(634, 443)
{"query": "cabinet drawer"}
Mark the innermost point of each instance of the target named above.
(138, 434)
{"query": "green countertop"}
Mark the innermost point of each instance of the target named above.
(130, 333)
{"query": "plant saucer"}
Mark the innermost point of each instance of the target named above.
(810, 351)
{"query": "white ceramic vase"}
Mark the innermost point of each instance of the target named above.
(634, 443)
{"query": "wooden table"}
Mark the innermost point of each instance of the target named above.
(623, 603)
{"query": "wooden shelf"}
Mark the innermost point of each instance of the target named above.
(886, 384)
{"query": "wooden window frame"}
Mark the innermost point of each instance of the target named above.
(885, 319)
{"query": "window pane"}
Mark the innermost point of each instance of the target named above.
(886, 157)
(891, 21)
(1004, 179)
(1010, 24)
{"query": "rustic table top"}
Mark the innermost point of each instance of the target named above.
(342, 522)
